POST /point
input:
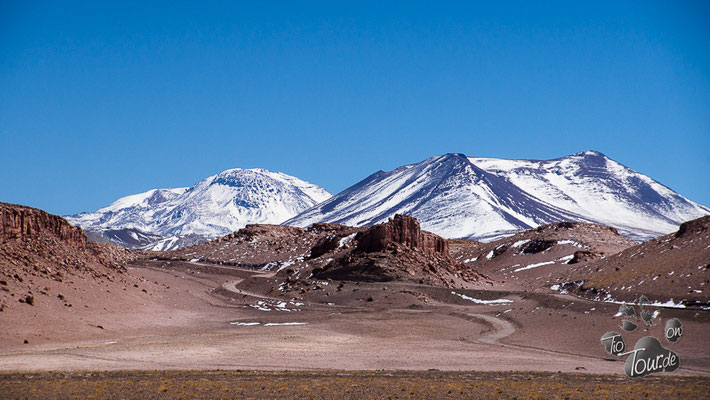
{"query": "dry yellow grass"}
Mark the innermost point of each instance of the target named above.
(346, 384)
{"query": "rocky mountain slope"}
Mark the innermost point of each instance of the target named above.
(532, 258)
(396, 250)
(466, 197)
(163, 219)
(673, 269)
(47, 265)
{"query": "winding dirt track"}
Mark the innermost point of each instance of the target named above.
(231, 286)
(502, 327)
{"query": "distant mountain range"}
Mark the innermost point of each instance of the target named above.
(452, 195)
(163, 219)
(456, 196)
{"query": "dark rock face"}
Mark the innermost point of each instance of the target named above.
(537, 246)
(324, 246)
(25, 222)
(563, 225)
(326, 227)
(583, 256)
(403, 230)
(693, 227)
(364, 269)
(499, 250)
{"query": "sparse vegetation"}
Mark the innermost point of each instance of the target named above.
(348, 384)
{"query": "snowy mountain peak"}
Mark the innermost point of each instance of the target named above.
(215, 206)
(591, 153)
(485, 198)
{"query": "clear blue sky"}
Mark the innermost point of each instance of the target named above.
(98, 100)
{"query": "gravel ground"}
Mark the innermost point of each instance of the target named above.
(345, 384)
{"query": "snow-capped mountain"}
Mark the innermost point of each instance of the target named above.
(456, 196)
(162, 219)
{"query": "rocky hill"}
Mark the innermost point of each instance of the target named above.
(48, 266)
(531, 258)
(397, 250)
(672, 269)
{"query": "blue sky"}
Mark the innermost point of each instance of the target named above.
(98, 101)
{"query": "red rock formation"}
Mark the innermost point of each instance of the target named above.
(39, 250)
(26, 222)
(397, 250)
(403, 230)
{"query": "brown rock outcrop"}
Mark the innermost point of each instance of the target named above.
(22, 222)
(324, 246)
(537, 246)
(582, 256)
(694, 227)
(403, 230)
(397, 250)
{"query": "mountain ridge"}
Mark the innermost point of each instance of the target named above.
(161, 219)
(498, 197)
(453, 195)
